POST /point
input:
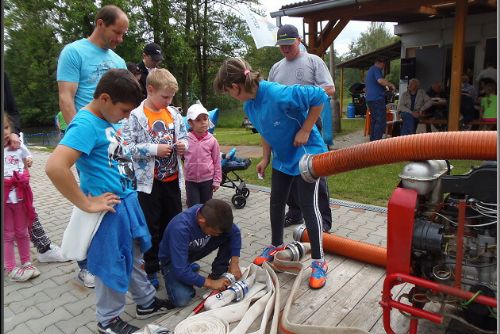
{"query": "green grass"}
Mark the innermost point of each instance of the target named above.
(372, 185)
(349, 125)
(230, 118)
(236, 136)
(240, 136)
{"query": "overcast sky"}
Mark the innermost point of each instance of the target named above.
(341, 44)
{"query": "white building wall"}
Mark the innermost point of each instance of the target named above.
(440, 33)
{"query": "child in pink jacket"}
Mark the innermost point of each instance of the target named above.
(202, 164)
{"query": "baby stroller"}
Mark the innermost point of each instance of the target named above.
(230, 179)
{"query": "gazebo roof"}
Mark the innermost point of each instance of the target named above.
(380, 10)
(391, 52)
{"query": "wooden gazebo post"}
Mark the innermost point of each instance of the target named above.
(457, 64)
(341, 90)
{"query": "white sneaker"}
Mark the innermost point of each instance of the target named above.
(29, 266)
(86, 278)
(54, 254)
(20, 274)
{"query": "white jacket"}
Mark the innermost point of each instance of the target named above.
(143, 150)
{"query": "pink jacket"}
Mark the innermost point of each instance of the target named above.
(202, 160)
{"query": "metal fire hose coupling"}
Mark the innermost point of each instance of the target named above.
(230, 277)
(299, 231)
(297, 249)
(240, 288)
(305, 168)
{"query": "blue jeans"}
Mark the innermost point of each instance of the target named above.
(378, 119)
(410, 124)
(179, 293)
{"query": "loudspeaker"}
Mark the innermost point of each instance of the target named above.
(408, 68)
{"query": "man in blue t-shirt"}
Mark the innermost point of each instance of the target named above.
(80, 67)
(376, 86)
(83, 62)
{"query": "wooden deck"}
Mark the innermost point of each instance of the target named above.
(349, 299)
(352, 293)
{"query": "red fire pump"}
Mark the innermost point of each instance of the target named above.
(442, 229)
(442, 239)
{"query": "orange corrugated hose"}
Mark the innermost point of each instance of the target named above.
(469, 145)
(356, 250)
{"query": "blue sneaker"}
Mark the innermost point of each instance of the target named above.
(267, 254)
(318, 274)
(153, 278)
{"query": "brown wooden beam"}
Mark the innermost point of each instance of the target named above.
(326, 36)
(457, 64)
(313, 40)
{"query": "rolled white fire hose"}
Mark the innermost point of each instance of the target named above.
(265, 296)
(201, 325)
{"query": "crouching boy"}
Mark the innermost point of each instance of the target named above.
(192, 235)
(115, 253)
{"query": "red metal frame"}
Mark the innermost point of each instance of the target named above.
(400, 221)
(388, 303)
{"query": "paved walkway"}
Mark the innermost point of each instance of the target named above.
(56, 303)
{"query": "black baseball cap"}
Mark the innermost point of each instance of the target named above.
(153, 50)
(286, 35)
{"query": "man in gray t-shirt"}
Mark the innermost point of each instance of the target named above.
(300, 67)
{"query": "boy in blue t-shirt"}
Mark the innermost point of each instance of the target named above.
(190, 236)
(115, 253)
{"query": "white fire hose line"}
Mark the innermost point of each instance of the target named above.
(256, 309)
(263, 297)
(203, 325)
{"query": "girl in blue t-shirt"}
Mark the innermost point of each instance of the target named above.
(284, 116)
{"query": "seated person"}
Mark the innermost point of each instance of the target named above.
(412, 104)
(190, 236)
(489, 73)
(489, 103)
(482, 86)
(467, 88)
(439, 109)
(468, 101)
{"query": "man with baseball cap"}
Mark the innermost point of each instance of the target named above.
(287, 35)
(151, 57)
(303, 68)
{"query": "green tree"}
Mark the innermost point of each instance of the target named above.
(31, 52)
(376, 36)
(195, 35)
